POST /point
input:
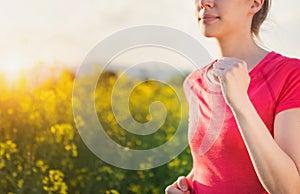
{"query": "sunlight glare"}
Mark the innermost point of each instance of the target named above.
(11, 67)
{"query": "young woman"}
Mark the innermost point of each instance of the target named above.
(244, 121)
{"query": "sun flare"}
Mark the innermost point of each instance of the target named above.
(11, 69)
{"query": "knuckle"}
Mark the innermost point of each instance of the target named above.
(243, 64)
(168, 189)
(179, 182)
(227, 75)
(236, 68)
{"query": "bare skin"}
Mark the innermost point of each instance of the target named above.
(239, 54)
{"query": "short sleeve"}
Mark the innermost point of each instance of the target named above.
(289, 96)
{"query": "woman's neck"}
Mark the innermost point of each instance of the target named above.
(241, 47)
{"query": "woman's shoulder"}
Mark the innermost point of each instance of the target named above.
(281, 64)
(286, 59)
(292, 63)
(290, 66)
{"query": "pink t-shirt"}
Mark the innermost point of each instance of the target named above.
(221, 162)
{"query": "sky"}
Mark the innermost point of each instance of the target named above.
(55, 32)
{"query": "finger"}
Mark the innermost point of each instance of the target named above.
(182, 184)
(219, 65)
(172, 189)
(219, 74)
(213, 77)
(225, 63)
(222, 64)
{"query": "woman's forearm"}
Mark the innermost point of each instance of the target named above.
(276, 170)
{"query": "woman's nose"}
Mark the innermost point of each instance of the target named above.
(205, 4)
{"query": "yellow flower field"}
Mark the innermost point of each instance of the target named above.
(41, 150)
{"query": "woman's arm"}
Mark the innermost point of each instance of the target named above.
(277, 163)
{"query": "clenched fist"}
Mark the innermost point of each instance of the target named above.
(232, 75)
(181, 186)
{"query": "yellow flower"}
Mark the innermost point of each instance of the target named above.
(68, 147)
(20, 168)
(64, 133)
(112, 191)
(7, 148)
(20, 183)
(2, 163)
(7, 155)
(40, 139)
(55, 182)
(41, 165)
(74, 150)
(79, 121)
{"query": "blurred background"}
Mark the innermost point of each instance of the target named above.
(42, 45)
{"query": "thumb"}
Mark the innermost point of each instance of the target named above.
(182, 184)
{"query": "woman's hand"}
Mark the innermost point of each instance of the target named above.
(234, 79)
(181, 186)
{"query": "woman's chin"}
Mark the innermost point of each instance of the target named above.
(207, 32)
(209, 35)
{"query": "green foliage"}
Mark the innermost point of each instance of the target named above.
(42, 152)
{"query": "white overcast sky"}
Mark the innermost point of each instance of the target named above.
(63, 31)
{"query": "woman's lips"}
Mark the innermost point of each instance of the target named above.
(208, 18)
